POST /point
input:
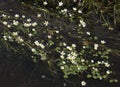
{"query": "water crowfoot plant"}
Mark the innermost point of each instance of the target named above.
(66, 47)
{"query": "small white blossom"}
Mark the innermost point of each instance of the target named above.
(27, 24)
(8, 26)
(33, 50)
(17, 15)
(19, 40)
(73, 45)
(37, 43)
(15, 22)
(4, 22)
(3, 15)
(63, 62)
(49, 36)
(83, 83)
(92, 61)
(84, 47)
(33, 29)
(65, 10)
(108, 72)
(62, 67)
(42, 46)
(30, 34)
(82, 60)
(34, 24)
(15, 33)
(79, 11)
(5, 38)
(46, 23)
(99, 62)
(103, 42)
(88, 33)
(57, 31)
(107, 64)
(96, 46)
(38, 15)
(23, 16)
(60, 3)
(82, 23)
(28, 20)
(74, 0)
(69, 48)
(64, 44)
(74, 8)
(45, 3)
(62, 57)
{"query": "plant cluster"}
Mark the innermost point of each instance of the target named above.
(67, 47)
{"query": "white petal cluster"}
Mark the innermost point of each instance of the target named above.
(83, 83)
(96, 46)
(60, 3)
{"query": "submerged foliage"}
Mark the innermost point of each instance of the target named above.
(58, 37)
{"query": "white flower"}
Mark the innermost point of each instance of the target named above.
(74, 0)
(42, 46)
(62, 57)
(19, 40)
(73, 45)
(23, 16)
(62, 53)
(107, 64)
(92, 61)
(61, 3)
(74, 8)
(103, 42)
(30, 34)
(8, 16)
(88, 33)
(49, 36)
(63, 62)
(65, 10)
(79, 11)
(46, 23)
(3, 15)
(45, 3)
(28, 20)
(17, 15)
(15, 33)
(62, 67)
(36, 43)
(99, 62)
(34, 24)
(33, 50)
(4, 22)
(5, 38)
(64, 44)
(27, 24)
(83, 83)
(8, 26)
(82, 23)
(84, 47)
(69, 48)
(82, 60)
(96, 46)
(38, 15)
(57, 31)
(33, 29)
(108, 72)
(15, 22)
